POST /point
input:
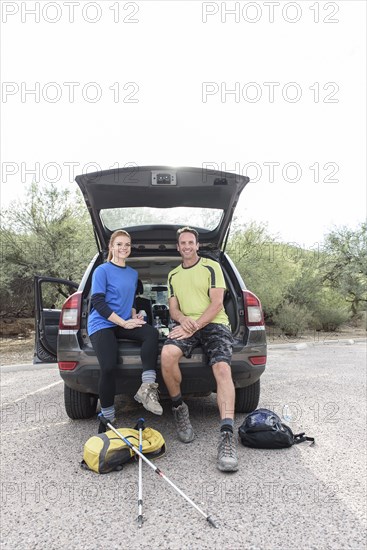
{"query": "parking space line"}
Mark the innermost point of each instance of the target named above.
(32, 393)
(46, 426)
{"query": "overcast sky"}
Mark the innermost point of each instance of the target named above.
(274, 90)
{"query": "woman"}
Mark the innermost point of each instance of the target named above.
(113, 316)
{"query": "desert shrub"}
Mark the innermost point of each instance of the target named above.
(292, 319)
(267, 267)
(330, 319)
(359, 320)
(331, 312)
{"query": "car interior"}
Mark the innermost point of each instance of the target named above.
(143, 303)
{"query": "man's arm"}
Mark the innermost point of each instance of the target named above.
(216, 296)
(188, 325)
(176, 314)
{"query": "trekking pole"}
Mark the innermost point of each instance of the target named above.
(140, 427)
(208, 518)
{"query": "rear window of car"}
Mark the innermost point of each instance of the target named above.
(206, 218)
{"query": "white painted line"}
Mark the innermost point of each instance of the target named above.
(30, 367)
(15, 432)
(21, 365)
(33, 393)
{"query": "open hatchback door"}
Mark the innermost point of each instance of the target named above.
(152, 202)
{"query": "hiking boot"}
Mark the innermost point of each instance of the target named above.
(102, 424)
(184, 429)
(227, 452)
(147, 395)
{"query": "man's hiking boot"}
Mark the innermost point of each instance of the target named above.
(184, 429)
(147, 395)
(227, 452)
(102, 424)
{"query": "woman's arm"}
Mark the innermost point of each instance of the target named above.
(129, 324)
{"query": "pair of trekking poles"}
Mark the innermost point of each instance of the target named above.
(139, 453)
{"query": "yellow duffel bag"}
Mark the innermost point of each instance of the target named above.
(106, 452)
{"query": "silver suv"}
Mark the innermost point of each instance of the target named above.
(151, 203)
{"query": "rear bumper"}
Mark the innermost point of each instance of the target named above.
(197, 376)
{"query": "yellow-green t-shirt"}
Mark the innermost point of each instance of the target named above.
(191, 285)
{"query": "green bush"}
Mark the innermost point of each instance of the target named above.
(331, 311)
(268, 267)
(292, 319)
(359, 320)
(330, 318)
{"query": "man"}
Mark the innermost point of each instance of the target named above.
(196, 290)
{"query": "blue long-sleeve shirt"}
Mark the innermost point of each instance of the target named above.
(113, 290)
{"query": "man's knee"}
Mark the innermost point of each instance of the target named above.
(222, 371)
(169, 354)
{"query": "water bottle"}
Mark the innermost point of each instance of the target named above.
(287, 415)
(144, 314)
(157, 322)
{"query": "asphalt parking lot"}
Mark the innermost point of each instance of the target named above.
(303, 497)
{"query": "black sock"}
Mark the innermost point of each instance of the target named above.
(177, 401)
(226, 425)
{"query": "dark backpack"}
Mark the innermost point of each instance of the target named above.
(263, 429)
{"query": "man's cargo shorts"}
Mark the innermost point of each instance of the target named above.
(216, 341)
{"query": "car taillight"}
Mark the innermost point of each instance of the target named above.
(70, 313)
(253, 311)
(67, 365)
(258, 360)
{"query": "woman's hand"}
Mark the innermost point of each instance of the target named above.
(135, 322)
(137, 315)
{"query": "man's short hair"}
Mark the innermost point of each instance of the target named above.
(187, 230)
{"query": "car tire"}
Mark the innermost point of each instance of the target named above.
(79, 405)
(247, 399)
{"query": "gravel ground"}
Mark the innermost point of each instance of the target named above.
(304, 498)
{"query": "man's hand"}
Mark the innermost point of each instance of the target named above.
(189, 325)
(179, 333)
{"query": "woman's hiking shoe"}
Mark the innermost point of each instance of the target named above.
(102, 424)
(184, 429)
(227, 452)
(147, 395)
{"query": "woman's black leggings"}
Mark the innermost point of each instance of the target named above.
(105, 345)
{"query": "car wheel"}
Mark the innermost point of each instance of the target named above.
(247, 399)
(79, 405)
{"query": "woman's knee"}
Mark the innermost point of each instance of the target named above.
(108, 370)
(150, 334)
